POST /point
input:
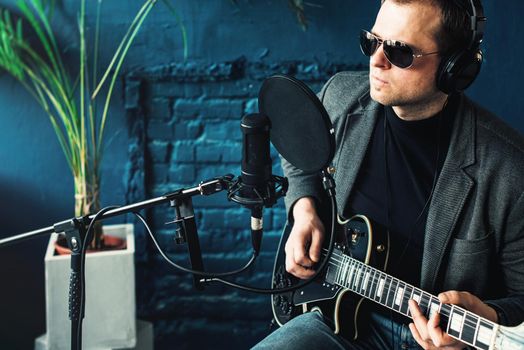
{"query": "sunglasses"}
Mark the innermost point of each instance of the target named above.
(398, 53)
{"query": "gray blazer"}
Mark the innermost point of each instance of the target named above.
(474, 236)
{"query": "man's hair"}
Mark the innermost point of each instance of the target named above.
(455, 31)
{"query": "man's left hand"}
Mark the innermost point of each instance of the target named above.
(429, 335)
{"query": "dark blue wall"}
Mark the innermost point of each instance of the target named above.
(250, 39)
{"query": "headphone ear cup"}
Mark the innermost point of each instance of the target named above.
(458, 71)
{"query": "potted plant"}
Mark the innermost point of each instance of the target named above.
(77, 107)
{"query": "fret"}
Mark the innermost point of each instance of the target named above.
(445, 314)
(339, 270)
(366, 281)
(391, 296)
(469, 328)
(358, 278)
(374, 284)
(351, 274)
(484, 335)
(416, 296)
(399, 295)
(362, 277)
(345, 271)
(380, 288)
(408, 294)
(425, 299)
(385, 290)
(434, 306)
(369, 286)
(456, 322)
(347, 266)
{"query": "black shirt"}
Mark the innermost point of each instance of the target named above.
(395, 181)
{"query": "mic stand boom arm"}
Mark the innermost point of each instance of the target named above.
(205, 188)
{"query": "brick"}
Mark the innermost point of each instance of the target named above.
(207, 153)
(260, 71)
(182, 173)
(159, 108)
(165, 89)
(184, 152)
(237, 219)
(251, 106)
(159, 173)
(230, 89)
(188, 130)
(159, 130)
(208, 108)
(231, 153)
(187, 108)
(213, 219)
(223, 108)
(158, 151)
(223, 130)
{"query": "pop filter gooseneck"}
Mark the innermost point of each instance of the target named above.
(301, 130)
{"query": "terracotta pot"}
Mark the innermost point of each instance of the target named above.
(110, 243)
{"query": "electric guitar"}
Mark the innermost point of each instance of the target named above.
(355, 267)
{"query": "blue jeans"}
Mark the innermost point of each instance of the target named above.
(309, 331)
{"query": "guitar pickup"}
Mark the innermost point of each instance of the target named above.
(331, 274)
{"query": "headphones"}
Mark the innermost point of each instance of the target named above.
(458, 70)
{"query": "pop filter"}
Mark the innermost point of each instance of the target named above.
(301, 130)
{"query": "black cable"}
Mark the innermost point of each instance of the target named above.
(299, 285)
(185, 269)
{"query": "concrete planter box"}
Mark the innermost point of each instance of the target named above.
(110, 316)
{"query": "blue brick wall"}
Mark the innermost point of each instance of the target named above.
(191, 114)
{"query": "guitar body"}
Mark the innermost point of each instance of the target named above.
(354, 273)
(339, 305)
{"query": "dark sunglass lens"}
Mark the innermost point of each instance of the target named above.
(368, 43)
(398, 54)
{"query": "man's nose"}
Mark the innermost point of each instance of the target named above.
(378, 59)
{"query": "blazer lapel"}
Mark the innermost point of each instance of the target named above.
(356, 137)
(451, 193)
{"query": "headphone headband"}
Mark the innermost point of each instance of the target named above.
(477, 24)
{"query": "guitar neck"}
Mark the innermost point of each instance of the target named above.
(395, 294)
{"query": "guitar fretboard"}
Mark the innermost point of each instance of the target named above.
(393, 293)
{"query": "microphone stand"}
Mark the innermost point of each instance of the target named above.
(75, 232)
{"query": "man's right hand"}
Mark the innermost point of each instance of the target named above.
(304, 244)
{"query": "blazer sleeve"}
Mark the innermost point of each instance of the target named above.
(301, 183)
(511, 308)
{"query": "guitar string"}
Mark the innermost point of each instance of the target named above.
(443, 311)
(388, 285)
(467, 323)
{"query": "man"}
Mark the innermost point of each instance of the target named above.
(442, 175)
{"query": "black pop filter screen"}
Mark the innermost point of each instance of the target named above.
(301, 130)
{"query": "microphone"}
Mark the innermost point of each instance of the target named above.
(255, 169)
(256, 161)
(256, 187)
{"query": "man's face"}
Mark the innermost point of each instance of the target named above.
(416, 25)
